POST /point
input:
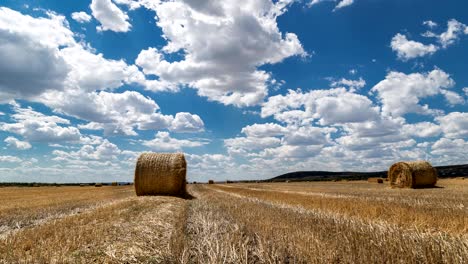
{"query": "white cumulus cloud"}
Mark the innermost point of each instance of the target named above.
(16, 143)
(223, 45)
(110, 16)
(81, 17)
(401, 93)
(37, 127)
(409, 49)
(164, 142)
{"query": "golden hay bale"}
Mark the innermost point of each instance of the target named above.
(412, 174)
(375, 180)
(210, 182)
(115, 184)
(98, 184)
(160, 173)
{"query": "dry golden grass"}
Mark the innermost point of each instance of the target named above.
(326, 223)
(320, 222)
(121, 229)
(435, 209)
(22, 207)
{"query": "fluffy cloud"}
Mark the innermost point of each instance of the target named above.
(450, 151)
(37, 127)
(110, 16)
(353, 85)
(305, 136)
(454, 125)
(164, 142)
(454, 30)
(224, 44)
(40, 55)
(345, 108)
(105, 151)
(81, 17)
(400, 93)
(453, 98)
(422, 129)
(451, 35)
(328, 106)
(16, 143)
(31, 63)
(121, 113)
(186, 122)
(200, 166)
(409, 49)
(10, 159)
(244, 145)
(76, 72)
(92, 71)
(264, 130)
(448, 146)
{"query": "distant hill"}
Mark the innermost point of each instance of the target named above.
(443, 171)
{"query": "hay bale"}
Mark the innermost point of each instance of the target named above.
(412, 174)
(98, 184)
(210, 182)
(375, 180)
(115, 184)
(160, 173)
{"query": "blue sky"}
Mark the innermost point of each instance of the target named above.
(247, 92)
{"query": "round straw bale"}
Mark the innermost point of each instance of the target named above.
(98, 184)
(412, 174)
(210, 182)
(115, 184)
(160, 173)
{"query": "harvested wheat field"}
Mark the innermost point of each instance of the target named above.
(316, 222)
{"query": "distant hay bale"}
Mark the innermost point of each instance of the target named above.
(115, 184)
(98, 184)
(210, 182)
(375, 180)
(287, 181)
(160, 173)
(412, 174)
